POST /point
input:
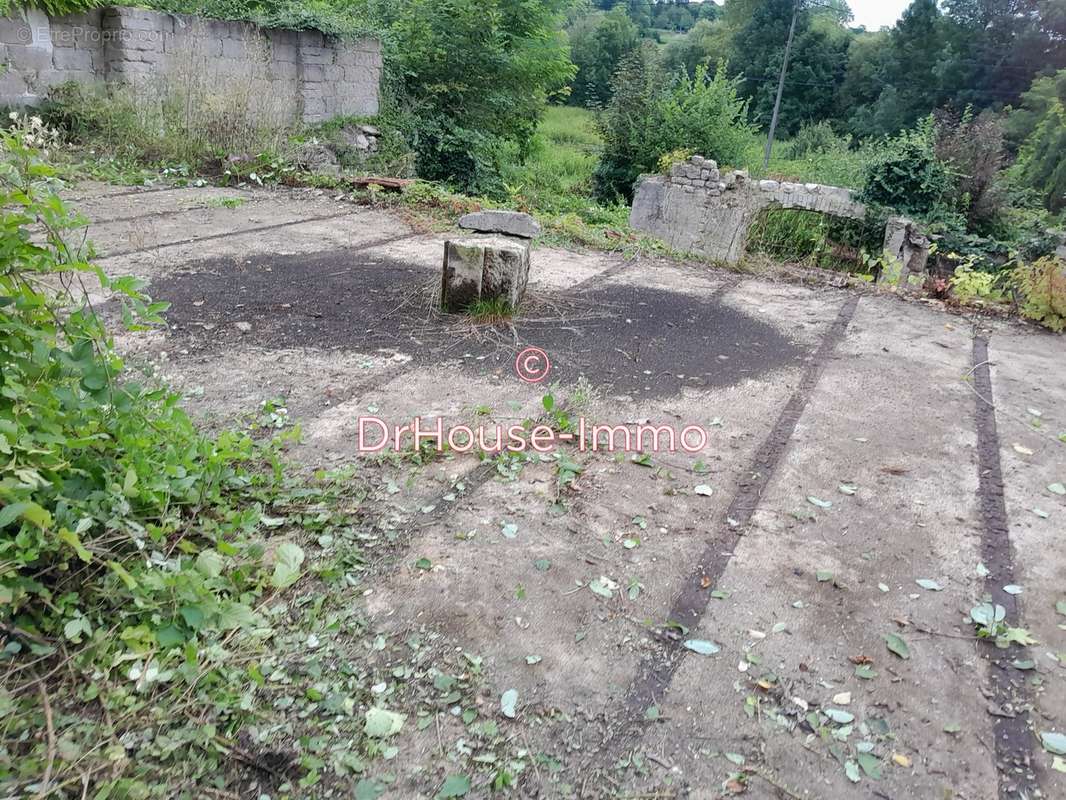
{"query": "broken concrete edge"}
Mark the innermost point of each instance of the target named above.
(484, 268)
(697, 209)
(509, 223)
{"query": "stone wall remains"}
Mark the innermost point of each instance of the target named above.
(696, 209)
(308, 75)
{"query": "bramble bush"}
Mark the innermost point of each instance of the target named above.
(128, 539)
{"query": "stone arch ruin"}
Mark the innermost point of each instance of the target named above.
(696, 209)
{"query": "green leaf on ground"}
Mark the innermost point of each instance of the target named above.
(929, 585)
(424, 563)
(815, 501)
(1057, 488)
(702, 646)
(382, 723)
(542, 564)
(952, 728)
(851, 769)
(870, 764)
(847, 488)
(865, 672)
(1053, 742)
(508, 701)
(454, 786)
(824, 575)
(287, 560)
(839, 716)
(603, 586)
(896, 644)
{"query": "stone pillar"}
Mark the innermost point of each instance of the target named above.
(484, 268)
(908, 247)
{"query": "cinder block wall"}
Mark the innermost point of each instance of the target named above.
(312, 76)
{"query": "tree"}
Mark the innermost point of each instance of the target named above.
(816, 68)
(477, 72)
(1039, 130)
(704, 44)
(650, 116)
(598, 42)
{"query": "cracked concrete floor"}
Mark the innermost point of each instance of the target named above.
(856, 445)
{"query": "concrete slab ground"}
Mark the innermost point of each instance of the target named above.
(783, 612)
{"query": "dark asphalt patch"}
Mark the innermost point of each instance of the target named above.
(636, 341)
(1014, 748)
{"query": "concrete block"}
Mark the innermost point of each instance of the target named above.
(484, 268)
(67, 58)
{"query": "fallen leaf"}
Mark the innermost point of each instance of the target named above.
(870, 764)
(952, 728)
(824, 576)
(1057, 488)
(901, 760)
(454, 786)
(930, 585)
(897, 645)
(1053, 742)
(1012, 589)
(508, 700)
(704, 490)
(382, 723)
(851, 769)
(847, 488)
(1025, 451)
(702, 646)
(839, 716)
(814, 501)
(842, 699)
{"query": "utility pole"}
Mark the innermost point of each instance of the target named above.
(781, 86)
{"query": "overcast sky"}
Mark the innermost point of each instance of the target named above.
(875, 13)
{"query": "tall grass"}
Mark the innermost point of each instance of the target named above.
(556, 176)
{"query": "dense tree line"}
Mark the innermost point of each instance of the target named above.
(956, 54)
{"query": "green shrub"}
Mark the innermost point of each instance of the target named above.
(649, 117)
(907, 175)
(96, 468)
(815, 139)
(467, 160)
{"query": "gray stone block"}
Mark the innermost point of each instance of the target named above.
(512, 223)
(68, 58)
(484, 268)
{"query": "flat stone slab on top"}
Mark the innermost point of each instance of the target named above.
(484, 268)
(511, 223)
